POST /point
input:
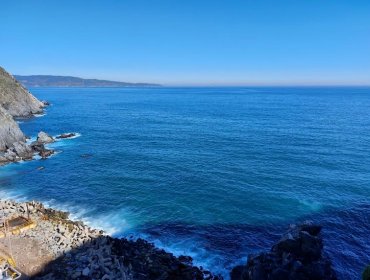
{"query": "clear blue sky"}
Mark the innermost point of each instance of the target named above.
(190, 42)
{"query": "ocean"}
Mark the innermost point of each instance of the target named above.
(214, 173)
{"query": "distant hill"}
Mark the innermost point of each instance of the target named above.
(67, 81)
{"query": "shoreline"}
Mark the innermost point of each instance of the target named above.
(59, 246)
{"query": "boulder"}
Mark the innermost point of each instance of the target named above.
(44, 138)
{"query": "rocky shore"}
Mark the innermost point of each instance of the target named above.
(17, 102)
(58, 248)
(297, 256)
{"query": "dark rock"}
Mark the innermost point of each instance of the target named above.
(311, 229)
(237, 272)
(45, 103)
(311, 246)
(297, 256)
(279, 274)
(186, 259)
(66, 135)
(149, 262)
(46, 153)
(37, 147)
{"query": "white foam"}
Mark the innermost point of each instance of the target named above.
(201, 257)
(111, 223)
(39, 115)
(31, 139)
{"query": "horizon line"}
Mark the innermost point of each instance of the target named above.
(215, 84)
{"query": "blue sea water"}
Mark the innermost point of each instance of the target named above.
(215, 173)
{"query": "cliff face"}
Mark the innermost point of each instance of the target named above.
(9, 130)
(15, 99)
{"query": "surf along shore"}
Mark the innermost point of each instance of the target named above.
(43, 243)
(56, 247)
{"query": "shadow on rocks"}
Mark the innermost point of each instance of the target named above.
(112, 258)
(297, 256)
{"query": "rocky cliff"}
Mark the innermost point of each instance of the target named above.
(9, 130)
(15, 99)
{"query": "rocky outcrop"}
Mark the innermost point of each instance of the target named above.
(297, 256)
(44, 138)
(79, 252)
(15, 99)
(66, 135)
(9, 130)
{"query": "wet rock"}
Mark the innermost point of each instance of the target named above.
(66, 135)
(46, 153)
(37, 146)
(297, 256)
(45, 103)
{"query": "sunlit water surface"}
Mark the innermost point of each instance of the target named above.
(215, 173)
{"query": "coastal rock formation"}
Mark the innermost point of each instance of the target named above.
(297, 256)
(72, 250)
(44, 138)
(15, 99)
(66, 135)
(9, 130)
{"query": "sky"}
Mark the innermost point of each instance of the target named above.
(202, 42)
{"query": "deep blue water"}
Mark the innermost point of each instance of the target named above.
(216, 173)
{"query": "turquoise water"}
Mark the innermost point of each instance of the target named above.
(216, 173)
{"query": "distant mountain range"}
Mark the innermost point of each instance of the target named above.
(67, 81)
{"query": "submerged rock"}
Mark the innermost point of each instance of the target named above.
(297, 256)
